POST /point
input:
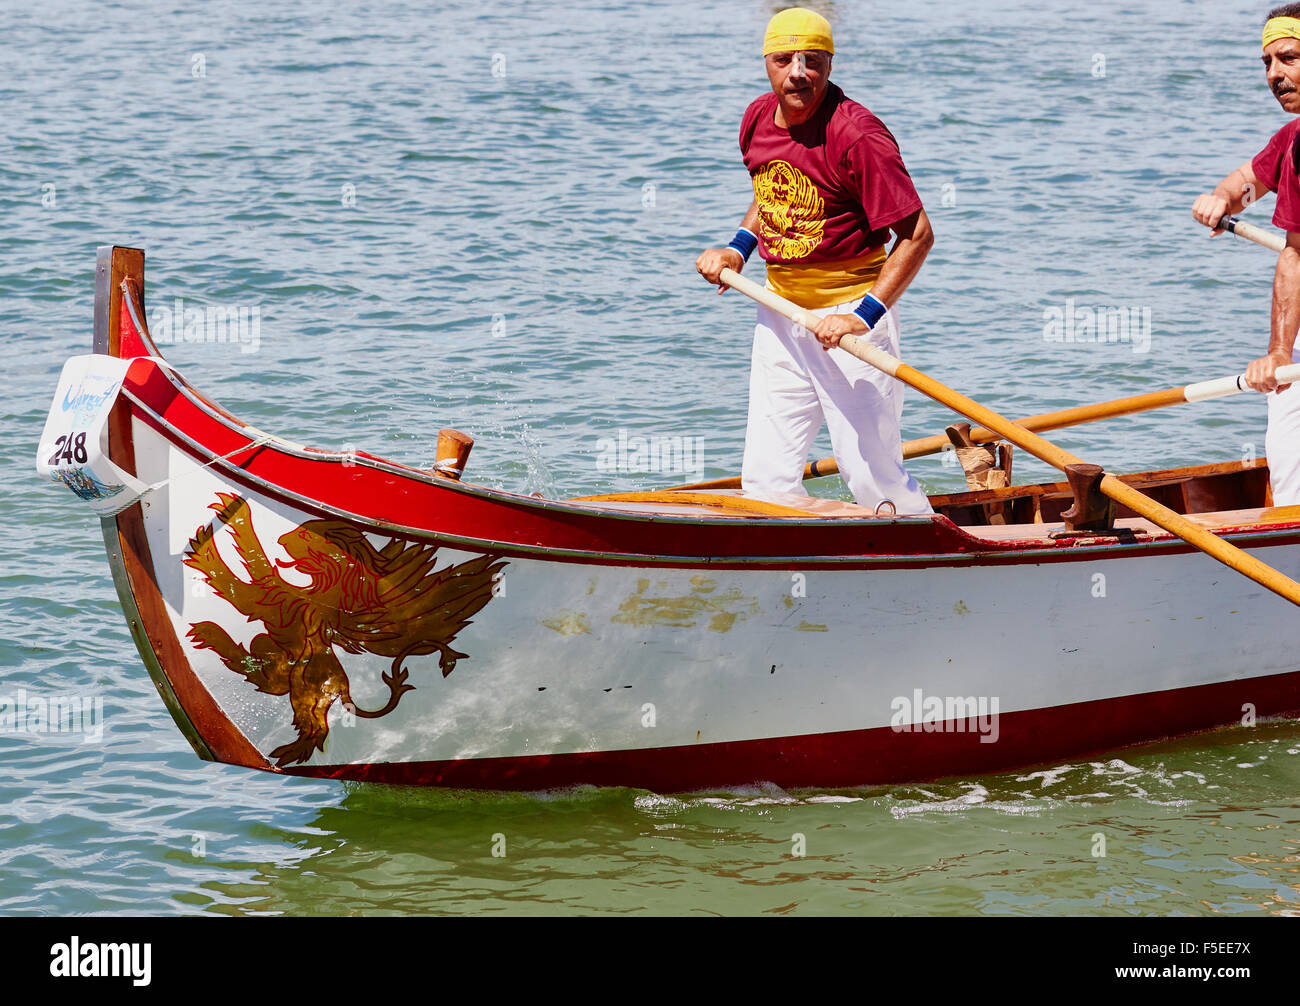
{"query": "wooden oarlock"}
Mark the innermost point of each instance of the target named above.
(1093, 510)
(986, 466)
(453, 453)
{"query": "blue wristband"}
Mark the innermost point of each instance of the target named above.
(744, 242)
(871, 311)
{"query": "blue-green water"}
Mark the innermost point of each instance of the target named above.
(487, 217)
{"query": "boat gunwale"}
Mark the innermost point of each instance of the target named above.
(1032, 551)
(976, 549)
(420, 475)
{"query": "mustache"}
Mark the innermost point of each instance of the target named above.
(1281, 89)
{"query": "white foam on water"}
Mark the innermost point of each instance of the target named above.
(653, 803)
(1114, 765)
(1048, 777)
(974, 796)
(762, 796)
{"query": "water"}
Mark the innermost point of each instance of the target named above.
(515, 257)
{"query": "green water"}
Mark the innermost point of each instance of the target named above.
(1152, 831)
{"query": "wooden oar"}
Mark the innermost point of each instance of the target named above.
(1174, 523)
(1239, 227)
(1219, 387)
(1078, 414)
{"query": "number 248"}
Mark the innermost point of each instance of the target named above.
(69, 448)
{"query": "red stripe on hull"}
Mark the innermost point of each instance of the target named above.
(505, 523)
(859, 757)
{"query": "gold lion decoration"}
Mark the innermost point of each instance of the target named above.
(391, 601)
(791, 212)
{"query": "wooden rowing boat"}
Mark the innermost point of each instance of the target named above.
(339, 615)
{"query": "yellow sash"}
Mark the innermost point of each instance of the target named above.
(824, 284)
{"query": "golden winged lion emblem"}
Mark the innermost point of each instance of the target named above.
(390, 601)
(791, 210)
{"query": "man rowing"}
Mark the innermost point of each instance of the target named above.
(829, 188)
(1275, 168)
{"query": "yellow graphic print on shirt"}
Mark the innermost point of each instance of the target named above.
(791, 212)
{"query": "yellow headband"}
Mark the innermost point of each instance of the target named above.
(1281, 27)
(798, 28)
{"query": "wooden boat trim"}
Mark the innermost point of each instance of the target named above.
(970, 541)
(1139, 480)
(716, 500)
(802, 518)
(789, 515)
(979, 548)
(235, 473)
(1035, 550)
(135, 623)
(199, 718)
(766, 514)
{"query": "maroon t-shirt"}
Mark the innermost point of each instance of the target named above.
(828, 188)
(1275, 166)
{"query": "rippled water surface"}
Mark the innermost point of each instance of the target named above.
(486, 216)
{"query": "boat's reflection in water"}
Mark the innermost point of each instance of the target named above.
(1081, 836)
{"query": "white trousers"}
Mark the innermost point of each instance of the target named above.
(794, 385)
(1282, 443)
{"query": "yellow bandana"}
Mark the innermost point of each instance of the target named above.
(1278, 27)
(798, 28)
